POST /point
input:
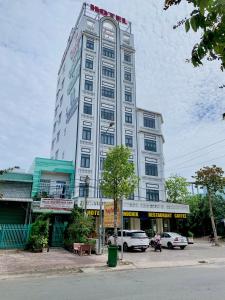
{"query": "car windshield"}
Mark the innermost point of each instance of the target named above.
(139, 234)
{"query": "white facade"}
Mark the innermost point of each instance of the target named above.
(96, 86)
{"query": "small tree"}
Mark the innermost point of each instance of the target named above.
(212, 179)
(39, 234)
(79, 228)
(177, 190)
(119, 179)
(206, 17)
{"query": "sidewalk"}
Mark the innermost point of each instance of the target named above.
(15, 263)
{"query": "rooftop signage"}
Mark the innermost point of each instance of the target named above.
(106, 13)
(144, 206)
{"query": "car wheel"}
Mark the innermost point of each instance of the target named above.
(143, 249)
(182, 247)
(125, 247)
(152, 244)
(169, 245)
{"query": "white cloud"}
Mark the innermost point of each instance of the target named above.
(32, 40)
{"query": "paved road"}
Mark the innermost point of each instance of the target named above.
(202, 282)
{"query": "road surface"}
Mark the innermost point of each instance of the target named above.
(202, 282)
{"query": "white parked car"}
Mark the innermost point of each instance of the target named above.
(171, 240)
(132, 239)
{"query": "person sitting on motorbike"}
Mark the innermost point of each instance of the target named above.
(157, 238)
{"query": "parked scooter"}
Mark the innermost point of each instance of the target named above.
(157, 245)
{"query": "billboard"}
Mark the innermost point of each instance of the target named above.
(109, 215)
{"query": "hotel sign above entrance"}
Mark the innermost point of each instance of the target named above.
(106, 13)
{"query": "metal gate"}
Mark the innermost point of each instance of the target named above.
(58, 234)
(14, 235)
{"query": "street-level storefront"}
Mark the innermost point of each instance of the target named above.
(59, 211)
(144, 215)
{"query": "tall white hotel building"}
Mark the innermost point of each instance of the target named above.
(96, 110)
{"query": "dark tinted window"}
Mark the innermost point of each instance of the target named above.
(149, 122)
(90, 44)
(151, 169)
(139, 234)
(87, 108)
(108, 52)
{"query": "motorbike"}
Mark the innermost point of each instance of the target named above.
(157, 245)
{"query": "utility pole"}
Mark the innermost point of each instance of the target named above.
(87, 182)
(100, 227)
(121, 220)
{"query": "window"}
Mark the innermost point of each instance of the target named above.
(107, 114)
(108, 52)
(87, 108)
(128, 117)
(107, 71)
(56, 110)
(127, 57)
(60, 117)
(53, 143)
(128, 140)
(127, 76)
(102, 161)
(83, 190)
(149, 122)
(85, 160)
(56, 154)
(151, 169)
(58, 135)
(152, 195)
(88, 86)
(150, 145)
(89, 64)
(86, 134)
(90, 44)
(131, 197)
(107, 138)
(63, 83)
(128, 96)
(107, 92)
(61, 100)
(45, 186)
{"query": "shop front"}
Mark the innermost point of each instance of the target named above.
(145, 215)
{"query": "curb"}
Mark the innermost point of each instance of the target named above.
(122, 266)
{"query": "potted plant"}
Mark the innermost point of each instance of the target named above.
(78, 229)
(44, 244)
(38, 239)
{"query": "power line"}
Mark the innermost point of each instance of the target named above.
(199, 149)
(185, 167)
(191, 159)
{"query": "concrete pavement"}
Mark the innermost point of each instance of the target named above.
(22, 263)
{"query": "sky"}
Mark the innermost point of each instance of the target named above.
(33, 36)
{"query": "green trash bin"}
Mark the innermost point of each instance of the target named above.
(112, 256)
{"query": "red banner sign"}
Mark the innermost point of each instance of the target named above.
(106, 13)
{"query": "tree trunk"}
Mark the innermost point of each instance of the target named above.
(212, 219)
(115, 221)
